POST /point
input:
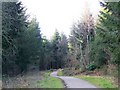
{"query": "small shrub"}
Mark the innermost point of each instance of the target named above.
(91, 67)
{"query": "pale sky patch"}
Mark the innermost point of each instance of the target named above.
(58, 14)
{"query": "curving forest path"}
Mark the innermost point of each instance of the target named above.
(72, 82)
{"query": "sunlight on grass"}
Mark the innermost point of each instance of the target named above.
(50, 82)
(60, 73)
(99, 81)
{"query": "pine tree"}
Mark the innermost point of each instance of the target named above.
(14, 24)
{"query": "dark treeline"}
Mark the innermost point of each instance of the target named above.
(24, 46)
(54, 52)
(21, 39)
(90, 46)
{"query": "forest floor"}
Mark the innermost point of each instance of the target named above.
(29, 80)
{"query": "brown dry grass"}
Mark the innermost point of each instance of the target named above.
(28, 80)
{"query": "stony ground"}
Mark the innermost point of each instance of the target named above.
(28, 80)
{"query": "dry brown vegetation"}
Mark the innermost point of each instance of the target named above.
(28, 80)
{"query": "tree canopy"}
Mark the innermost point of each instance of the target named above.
(90, 45)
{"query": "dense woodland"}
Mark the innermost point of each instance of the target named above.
(91, 45)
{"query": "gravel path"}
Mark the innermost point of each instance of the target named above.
(72, 82)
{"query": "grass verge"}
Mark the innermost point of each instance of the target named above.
(49, 82)
(60, 73)
(99, 81)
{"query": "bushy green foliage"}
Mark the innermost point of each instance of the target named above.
(23, 44)
(105, 48)
(13, 26)
(91, 67)
(21, 39)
